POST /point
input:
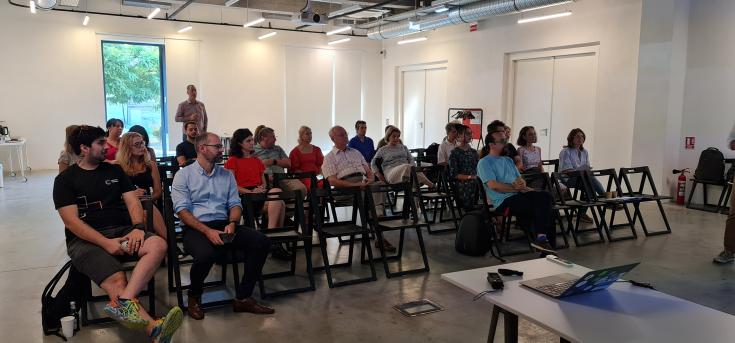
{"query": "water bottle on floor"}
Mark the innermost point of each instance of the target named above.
(1, 175)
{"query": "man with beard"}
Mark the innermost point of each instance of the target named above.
(206, 200)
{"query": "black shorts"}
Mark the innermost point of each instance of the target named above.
(93, 261)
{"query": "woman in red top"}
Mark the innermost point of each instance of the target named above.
(306, 157)
(114, 131)
(249, 174)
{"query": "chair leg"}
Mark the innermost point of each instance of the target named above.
(691, 194)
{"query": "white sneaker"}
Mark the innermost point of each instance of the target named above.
(724, 257)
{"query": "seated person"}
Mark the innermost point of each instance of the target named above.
(530, 155)
(396, 161)
(185, 151)
(463, 169)
(114, 131)
(384, 141)
(575, 157)
(67, 156)
(448, 144)
(101, 211)
(345, 167)
(142, 131)
(306, 157)
(507, 190)
(250, 178)
(136, 162)
(361, 142)
(206, 200)
(275, 159)
(511, 150)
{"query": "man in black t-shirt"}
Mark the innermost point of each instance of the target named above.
(97, 204)
(186, 151)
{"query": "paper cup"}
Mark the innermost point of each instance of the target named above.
(614, 194)
(67, 326)
(608, 195)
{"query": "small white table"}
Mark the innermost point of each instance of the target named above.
(21, 153)
(621, 313)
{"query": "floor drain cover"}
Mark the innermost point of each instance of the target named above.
(418, 308)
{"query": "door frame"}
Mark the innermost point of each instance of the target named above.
(399, 86)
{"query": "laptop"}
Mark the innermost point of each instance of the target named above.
(565, 285)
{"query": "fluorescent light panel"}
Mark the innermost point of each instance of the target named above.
(412, 40)
(441, 9)
(32, 6)
(254, 22)
(154, 13)
(268, 35)
(86, 20)
(545, 17)
(339, 41)
(341, 29)
(547, 6)
(231, 2)
(185, 28)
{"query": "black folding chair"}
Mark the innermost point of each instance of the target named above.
(291, 233)
(350, 228)
(407, 220)
(557, 209)
(440, 198)
(581, 201)
(551, 163)
(613, 185)
(644, 173)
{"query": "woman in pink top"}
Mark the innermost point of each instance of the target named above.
(114, 131)
(306, 157)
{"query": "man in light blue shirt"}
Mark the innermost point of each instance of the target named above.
(206, 200)
(508, 191)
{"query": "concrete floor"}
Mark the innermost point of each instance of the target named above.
(32, 249)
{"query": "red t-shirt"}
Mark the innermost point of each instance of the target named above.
(306, 162)
(248, 170)
(111, 151)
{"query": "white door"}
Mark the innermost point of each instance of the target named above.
(414, 98)
(532, 99)
(575, 85)
(435, 113)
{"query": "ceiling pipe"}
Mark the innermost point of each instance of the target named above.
(417, 12)
(461, 14)
(378, 5)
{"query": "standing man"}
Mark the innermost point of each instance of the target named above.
(507, 190)
(728, 254)
(363, 143)
(206, 199)
(186, 151)
(345, 167)
(192, 110)
(104, 228)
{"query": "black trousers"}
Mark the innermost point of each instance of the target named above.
(534, 209)
(248, 243)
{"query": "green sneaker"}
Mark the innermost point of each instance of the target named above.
(167, 326)
(127, 312)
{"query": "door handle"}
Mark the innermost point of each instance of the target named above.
(545, 132)
(421, 125)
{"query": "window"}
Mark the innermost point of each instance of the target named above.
(134, 81)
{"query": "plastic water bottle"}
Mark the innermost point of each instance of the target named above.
(73, 308)
(1, 175)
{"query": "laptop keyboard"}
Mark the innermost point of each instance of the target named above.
(556, 289)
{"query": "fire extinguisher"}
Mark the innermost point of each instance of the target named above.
(681, 185)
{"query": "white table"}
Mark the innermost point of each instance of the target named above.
(621, 313)
(21, 153)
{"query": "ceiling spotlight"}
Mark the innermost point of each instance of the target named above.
(343, 40)
(268, 35)
(412, 40)
(231, 2)
(154, 13)
(32, 6)
(86, 20)
(341, 29)
(545, 17)
(254, 22)
(185, 28)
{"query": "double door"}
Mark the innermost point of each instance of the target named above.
(423, 106)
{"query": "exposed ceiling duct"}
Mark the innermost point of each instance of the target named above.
(461, 14)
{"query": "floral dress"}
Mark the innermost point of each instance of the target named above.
(464, 162)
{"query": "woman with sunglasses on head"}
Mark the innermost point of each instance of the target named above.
(132, 155)
(114, 130)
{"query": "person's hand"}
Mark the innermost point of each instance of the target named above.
(519, 184)
(195, 117)
(259, 189)
(364, 184)
(112, 246)
(135, 240)
(140, 192)
(230, 228)
(526, 189)
(213, 236)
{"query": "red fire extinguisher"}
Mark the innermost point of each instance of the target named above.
(681, 185)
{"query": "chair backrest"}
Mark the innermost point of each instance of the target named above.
(418, 155)
(580, 182)
(409, 207)
(166, 170)
(278, 177)
(322, 196)
(611, 176)
(537, 180)
(554, 163)
(168, 161)
(646, 179)
(249, 200)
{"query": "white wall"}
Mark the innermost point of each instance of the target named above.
(477, 62)
(52, 75)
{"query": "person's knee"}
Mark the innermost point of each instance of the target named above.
(275, 190)
(156, 244)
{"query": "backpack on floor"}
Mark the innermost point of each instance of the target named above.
(711, 166)
(473, 237)
(53, 308)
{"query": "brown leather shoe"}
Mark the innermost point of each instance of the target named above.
(250, 305)
(195, 308)
(388, 247)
